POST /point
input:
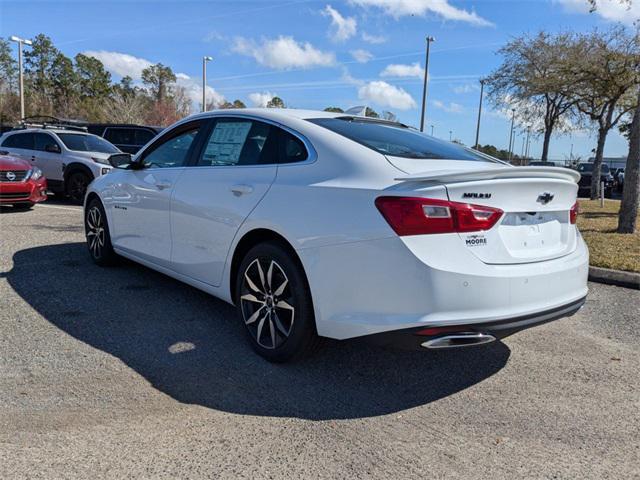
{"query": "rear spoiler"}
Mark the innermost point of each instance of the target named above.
(456, 176)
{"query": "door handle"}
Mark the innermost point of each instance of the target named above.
(241, 189)
(163, 185)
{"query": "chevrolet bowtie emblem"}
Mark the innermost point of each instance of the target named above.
(545, 198)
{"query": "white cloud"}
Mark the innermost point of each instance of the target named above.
(399, 70)
(261, 99)
(401, 8)
(465, 88)
(121, 64)
(451, 107)
(611, 10)
(193, 88)
(386, 95)
(361, 56)
(342, 28)
(373, 39)
(283, 53)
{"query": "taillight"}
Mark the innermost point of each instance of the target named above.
(422, 216)
(573, 213)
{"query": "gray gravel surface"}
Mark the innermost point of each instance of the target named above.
(125, 373)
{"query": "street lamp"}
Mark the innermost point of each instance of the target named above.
(424, 88)
(482, 80)
(20, 42)
(513, 117)
(432, 130)
(204, 82)
(450, 134)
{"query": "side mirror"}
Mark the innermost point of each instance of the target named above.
(52, 148)
(120, 160)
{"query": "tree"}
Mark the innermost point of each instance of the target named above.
(276, 102)
(93, 80)
(628, 215)
(126, 106)
(38, 64)
(531, 76)
(63, 99)
(493, 151)
(370, 112)
(604, 68)
(9, 100)
(228, 105)
(158, 78)
(8, 68)
(334, 110)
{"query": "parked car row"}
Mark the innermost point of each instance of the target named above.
(70, 157)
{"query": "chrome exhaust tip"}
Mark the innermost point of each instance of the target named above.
(457, 340)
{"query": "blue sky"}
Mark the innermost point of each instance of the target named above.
(316, 54)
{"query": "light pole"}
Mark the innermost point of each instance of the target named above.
(450, 134)
(204, 82)
(20, 42)
(432, 130)
(526, 153)
(424, 88)
(482, 80)
(513, 117)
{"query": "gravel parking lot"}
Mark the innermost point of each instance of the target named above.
(125, 373)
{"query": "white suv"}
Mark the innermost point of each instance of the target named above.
(69, 159)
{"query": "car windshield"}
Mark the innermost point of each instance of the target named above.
(398, 140)
(588, 168)
(86, 143)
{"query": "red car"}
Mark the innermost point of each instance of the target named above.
(21, 184)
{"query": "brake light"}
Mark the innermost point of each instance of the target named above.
(573, 213)
(422, 216)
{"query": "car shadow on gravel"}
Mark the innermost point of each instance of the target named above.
(190, 345)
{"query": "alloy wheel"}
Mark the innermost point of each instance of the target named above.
(267, 303)
(95, 232)
(78, 187)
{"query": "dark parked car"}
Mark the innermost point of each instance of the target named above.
(128, 138)
(542, 164)
(586, 171)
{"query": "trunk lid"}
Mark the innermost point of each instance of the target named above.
(536, 202)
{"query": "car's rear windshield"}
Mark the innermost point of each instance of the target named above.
(398, 140)
(86, 143)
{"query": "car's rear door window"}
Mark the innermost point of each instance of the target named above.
(120, 136)
(240, 142)
(42, 140)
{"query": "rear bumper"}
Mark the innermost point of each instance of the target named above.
(414, 338)
(392, 284)
(23, 192)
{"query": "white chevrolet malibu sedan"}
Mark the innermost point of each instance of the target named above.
(317, 224)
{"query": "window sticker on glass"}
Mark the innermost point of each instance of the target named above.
(226, 142)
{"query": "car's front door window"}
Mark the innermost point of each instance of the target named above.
(173, 152)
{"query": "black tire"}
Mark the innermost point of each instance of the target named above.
(97, 234)
(76, 187)
(23, 206)
(284, 326)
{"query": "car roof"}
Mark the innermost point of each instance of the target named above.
(274, 114)
(48, 129)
